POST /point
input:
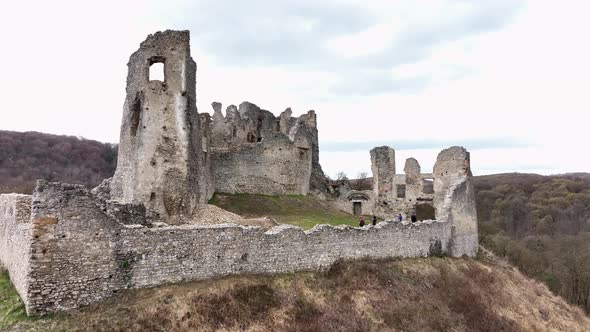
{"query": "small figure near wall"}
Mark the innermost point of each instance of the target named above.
(400, 218)
(361, 222)
(374, 220)
(413, 218)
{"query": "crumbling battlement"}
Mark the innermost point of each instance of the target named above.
(253, 151)
(80, 254)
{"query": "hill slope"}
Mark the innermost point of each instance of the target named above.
(430, 294)
(26, 157)
(541, 224)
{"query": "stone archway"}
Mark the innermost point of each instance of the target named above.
(425, 211)
(358, 199)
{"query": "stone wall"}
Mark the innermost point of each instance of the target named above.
(80, 254)
(252, 151)
(15, 237)
(454, 197)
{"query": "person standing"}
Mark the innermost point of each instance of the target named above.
(413, 218)
(374, 220)
(400, 218)
(361, 222)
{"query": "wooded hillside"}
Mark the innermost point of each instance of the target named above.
(542, 225)
(26, 157)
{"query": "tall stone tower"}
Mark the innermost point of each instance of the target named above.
(162, 154)
(383, 169)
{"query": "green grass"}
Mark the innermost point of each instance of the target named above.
(298, 210)
(12, 309)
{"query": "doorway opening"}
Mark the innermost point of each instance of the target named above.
(357, 208)
(425, 212)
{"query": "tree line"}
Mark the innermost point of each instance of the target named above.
(26, 157)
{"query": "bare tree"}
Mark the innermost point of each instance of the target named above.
(361, 182)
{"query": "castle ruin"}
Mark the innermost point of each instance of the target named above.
(66, 246)
(255, 152)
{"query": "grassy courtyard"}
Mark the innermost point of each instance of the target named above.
(302, 211)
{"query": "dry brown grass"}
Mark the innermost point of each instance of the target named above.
(431, 294)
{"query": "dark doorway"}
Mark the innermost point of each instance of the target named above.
(424, 212)
(357, 208)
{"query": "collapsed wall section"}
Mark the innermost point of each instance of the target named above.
(81, 255)
(252, 151)
(15, 238)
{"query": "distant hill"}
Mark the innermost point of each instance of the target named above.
(26, 157)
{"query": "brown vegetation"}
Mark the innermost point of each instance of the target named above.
(434, 294)
(26, 157)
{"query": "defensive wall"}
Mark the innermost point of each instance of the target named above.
(69, 252)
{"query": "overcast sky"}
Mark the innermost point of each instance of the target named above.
(509, 80)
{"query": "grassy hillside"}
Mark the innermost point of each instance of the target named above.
(430, 294)
(303, 211)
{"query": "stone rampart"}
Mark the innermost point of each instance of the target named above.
(80, 254)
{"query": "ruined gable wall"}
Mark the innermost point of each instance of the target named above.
(252, 151)
(15, 238)
(82, 255)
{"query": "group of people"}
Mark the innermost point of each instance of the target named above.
(374, 220)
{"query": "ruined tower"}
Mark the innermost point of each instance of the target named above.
(383, 168)
(162, 154)
(454, 197)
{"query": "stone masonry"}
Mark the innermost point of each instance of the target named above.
(253, 151)
(446, 195)
(162, 159)
(66, 246)
(79, 254)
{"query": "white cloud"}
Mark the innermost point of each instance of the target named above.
(376, 71)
